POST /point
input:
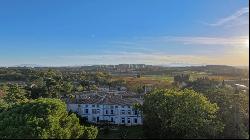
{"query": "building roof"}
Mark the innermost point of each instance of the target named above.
(107, 99)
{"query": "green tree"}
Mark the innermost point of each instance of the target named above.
(94, 87)
(85, 84)
(37, 88)
(79, 88)
(179, 114)
(50, 85)
(67, 87)
(233, 108)
(37, 91)
(15, 94)
(3, 105)
(53, 82)
(227, 100)
(89, 132)
(4, 87)
(42, 118)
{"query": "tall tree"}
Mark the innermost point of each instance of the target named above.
(42, 118)
(231, 105)
(179, 114)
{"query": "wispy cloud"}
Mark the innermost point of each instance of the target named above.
(199, 40)
(238, 18)
(154, 59)
(146, 42)
(136, 58)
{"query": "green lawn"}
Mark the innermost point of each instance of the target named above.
(129, 132)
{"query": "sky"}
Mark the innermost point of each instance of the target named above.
(155, 32)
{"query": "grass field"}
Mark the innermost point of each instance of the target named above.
(163, 81)
(149, 80)
(146, 78)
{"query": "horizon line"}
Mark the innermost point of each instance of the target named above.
(84, 65)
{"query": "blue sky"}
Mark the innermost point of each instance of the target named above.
(79, 32)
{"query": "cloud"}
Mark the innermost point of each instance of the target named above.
(123, 57)
(240, 17)
(145, 43)
(136, 58)
(151, 59)
(217, 41)
(167, 49)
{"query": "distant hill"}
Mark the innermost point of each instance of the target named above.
(242, 67)
(28, 65)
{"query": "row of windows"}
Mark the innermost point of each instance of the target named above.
(122, 112)
(109, 106)
(97, 119)
(129, 120)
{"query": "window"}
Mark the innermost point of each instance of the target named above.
(86, 111)
(94, 119)
(123, 120)
(111, 119)
(86, 105)
(122, 112)
(116, 106)
(111, 107)
(111, 111)
(135, 120)
(129, 112)
(106, 111)
(123, 106)
(128, 120)
(97, 119)
(136, 112)
(93, 105)
(94, 111)
(97, 111)
(97, 105)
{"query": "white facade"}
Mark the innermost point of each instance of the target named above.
(116, 114)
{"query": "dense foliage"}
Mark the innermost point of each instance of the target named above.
(42, 118)
(15, 94)
(179, 114)
(233, 106)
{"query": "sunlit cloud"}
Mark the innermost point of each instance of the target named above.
(225, 41)
(155, 58)
(123, 57)
(184, 40)
(159, 58)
